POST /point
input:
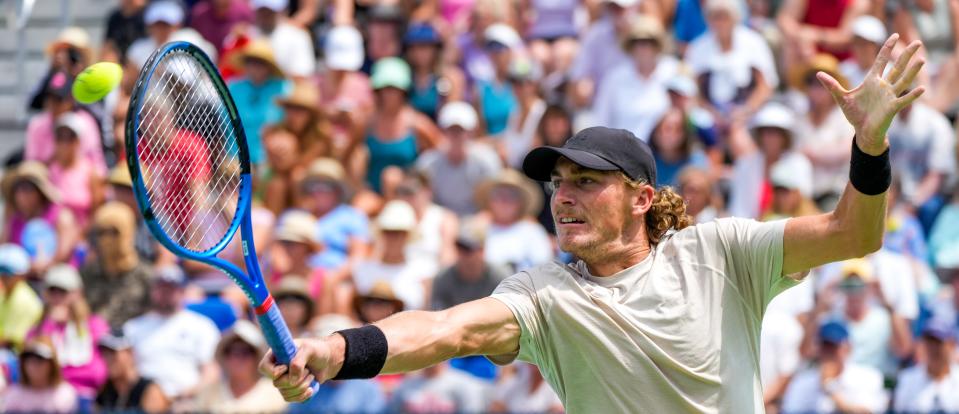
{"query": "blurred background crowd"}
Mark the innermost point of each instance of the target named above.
(386, 137)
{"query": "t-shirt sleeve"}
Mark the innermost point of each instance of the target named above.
(207, 337)
(518, 292)
(754, 252)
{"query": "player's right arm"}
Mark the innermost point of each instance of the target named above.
(415, 339)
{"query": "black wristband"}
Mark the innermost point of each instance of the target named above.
(365, 353)
(869, 174)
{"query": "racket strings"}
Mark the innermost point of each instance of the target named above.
(189, 154)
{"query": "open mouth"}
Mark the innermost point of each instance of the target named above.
(570, 220)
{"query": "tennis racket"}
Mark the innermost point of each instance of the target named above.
(190, 165)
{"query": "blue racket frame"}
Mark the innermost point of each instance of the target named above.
(275, 330)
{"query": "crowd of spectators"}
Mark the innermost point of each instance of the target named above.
(386, 138)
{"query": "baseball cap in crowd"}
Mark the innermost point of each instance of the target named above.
(275, 5)
(869, 28)
(421, 34)
(855, 274)
(790, 173)
(833, 332)
(114, 342)
(391, 72)
(597, 148)
(682, 85)
(386, 13)
(40, 349)
(64, 277)
(457, 113)
(14, 260)
(503, 35)
(397, 215)
(171, 274)
(774, 115)
(471, 236)
(163, 12)
(299, 227)
(343, 48)
(940, 329)
(71, 121)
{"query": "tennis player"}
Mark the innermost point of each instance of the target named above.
(656, 316)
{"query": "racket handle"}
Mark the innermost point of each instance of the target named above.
(278, 336)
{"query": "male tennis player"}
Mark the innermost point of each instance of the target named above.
(649, 319)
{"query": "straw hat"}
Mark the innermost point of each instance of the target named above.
(397, 215)
(72, 37)
(643, 27)
(260, 50)
(304, 95)
(34, 172)
(381, 290)
(332, 170)
(532, 196)
(299, 227)
(246, 332)
(295, 286)
(120, 176)
(820, 62)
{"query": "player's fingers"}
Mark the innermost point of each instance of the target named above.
(909, 98)
(831, 85)
(900, 66)
(298, 393)
(298, 363)
(883, 58)
(268, 367)
(906, 80)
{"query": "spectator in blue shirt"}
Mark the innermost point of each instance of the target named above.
(255, 94)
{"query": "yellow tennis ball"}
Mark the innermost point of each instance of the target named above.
(96, 81)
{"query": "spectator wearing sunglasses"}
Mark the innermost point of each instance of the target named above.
(41, 387)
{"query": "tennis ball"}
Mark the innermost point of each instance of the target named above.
(96, 81)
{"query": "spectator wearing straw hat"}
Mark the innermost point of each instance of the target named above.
(296, 304)
(823, 132)
(297, 241)
(396, 133)
(644, 74)
(20, 308)
(125, 388)
(116, 280)
(120, 189)
(462, 161)
(35, 215)
(216, 19)
(41, 387)
(409, 277)
(305, 118)
(292, 45)
(513, 239)
(255, 93)
(242, 388)
(931, 385)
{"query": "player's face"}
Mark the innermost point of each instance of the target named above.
(590, 208)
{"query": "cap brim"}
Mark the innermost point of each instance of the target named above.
(539, 163)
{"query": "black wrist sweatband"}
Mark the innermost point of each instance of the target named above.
(869, 174)
(364, 354)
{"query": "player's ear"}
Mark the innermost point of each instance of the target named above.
(642, 198)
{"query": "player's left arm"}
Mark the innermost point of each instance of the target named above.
(855, 228)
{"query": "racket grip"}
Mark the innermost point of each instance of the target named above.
(278, 337)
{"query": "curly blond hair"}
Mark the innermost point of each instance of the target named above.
(668, 211)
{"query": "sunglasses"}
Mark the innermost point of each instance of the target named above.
(316, 187)
(106, 231)
(54, 290)
(239, 350)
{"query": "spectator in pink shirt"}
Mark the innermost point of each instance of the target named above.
(41, 387)
(216, 19)
(57, 100)
(79, 183)
(73, 331)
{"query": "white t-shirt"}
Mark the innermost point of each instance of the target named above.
(406, 279)
(514, 393)
(677, 332)
(827, 146)
(857, 384)
(922, 143)
(140, 50)
(521, 246)
(292, 48)
(779, 346)
(172, 349)
(895, 276)
(917, 393)
(749, 176)
(627, 100)
(853, 73)
(731, 70)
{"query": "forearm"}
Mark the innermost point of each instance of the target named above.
(927, 188)
(419, 339)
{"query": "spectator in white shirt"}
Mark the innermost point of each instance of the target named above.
(868, 35)
(932, 386)
(835, 384)
(525, 392)
(292, 45)
(645, 74)
(733, 64)
(922, 150)
(164, 22)
(172, 345)
(596, 56)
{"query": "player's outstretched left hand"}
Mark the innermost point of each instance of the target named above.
(871, 106)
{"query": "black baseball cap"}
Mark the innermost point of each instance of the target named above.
(597, 148)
